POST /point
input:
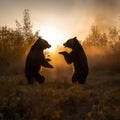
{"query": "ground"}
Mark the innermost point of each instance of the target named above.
(99, 99)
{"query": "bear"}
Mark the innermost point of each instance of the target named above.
(35, 59)
(78, 57)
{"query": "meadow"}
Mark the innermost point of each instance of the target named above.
(98, 99)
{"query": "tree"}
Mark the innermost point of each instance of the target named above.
(18, 27)
(27, 27)
(113, 34)
(114, 38)
(95, 38)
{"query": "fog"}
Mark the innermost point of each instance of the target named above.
(105, 12)
(72, 18)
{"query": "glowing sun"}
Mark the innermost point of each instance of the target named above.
(53, 36)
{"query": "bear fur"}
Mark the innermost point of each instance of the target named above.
(78, 57)
(35, 59)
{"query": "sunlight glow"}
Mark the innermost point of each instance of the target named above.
(53, 36)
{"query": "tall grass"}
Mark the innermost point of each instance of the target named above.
(61, 100)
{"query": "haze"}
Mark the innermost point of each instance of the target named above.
(71, 17)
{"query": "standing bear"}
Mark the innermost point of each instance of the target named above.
(78, 57)
(35, 59)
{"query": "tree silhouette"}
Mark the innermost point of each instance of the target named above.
(114, 38)
(95, 38)
(27, 27)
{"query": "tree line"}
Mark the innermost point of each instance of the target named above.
(109, 39)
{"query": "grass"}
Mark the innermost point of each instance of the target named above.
(98, 99)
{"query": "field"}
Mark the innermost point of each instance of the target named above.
(98, 99)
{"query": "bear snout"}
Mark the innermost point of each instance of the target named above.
(65, 45)
(49, 46)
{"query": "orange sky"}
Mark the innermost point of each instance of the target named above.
(70, 17)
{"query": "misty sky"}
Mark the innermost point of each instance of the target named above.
(71, 16)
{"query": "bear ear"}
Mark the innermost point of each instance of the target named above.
(39, 38)
(38, 41)
(75, 37)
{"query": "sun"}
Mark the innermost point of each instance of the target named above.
(53, 36)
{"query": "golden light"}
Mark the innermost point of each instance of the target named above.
(53, 36)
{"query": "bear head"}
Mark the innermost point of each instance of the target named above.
(41, 44)
(72, 43)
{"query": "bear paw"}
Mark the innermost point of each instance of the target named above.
(63, 52)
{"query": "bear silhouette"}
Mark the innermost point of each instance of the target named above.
(78, 57)
(35, 59)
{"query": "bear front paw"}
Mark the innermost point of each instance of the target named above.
(63, 52)
(51, 66)
(48, 59)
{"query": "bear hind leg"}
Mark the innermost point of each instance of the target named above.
(39, 78)
(29, 78)
(74, 78)
(82, 78)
